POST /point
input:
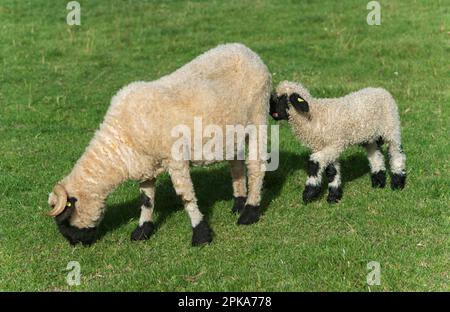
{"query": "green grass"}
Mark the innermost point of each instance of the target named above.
(56, 82)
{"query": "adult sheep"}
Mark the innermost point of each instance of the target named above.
(328, 126)
(227, 85)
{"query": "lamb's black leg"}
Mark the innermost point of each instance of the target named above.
(314, 182)
(332, 171)
(376, 162)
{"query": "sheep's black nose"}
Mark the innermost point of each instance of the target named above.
(85, 236)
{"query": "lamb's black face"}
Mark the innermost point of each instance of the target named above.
(279, 107)
(73, 234)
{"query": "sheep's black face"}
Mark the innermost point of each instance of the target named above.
(73, 234)
(279, 107)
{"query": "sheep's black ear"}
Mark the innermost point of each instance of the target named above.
(299, 103)
(68, 210)
(273, 100)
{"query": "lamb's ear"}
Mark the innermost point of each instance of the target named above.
(299, 103)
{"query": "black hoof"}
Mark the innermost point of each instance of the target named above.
(310, 193)
(143, 231)
(201, 234)
(249, 215)
(378, 179)
(239, 204)
(398, 181)
(334, 194)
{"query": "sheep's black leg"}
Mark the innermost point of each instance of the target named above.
(314, 182)
(146, 226)
(251, 212)
(239, 204)
(332, 171)
(182, 182)
(376, 163)
(239, 185)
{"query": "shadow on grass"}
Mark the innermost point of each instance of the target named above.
(213, 184)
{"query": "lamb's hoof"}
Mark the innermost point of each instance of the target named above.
(310, 193)
(378, 179)
(249, 215)
(201, 234)
(143, 231)
(239, 204)
(398, 181)
(334, 194)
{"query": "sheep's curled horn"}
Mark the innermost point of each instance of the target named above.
(61, 195)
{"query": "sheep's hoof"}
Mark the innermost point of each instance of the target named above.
(250, 214)
(239, 204)
(378, 179)
(311, 192)
(143, 231)
(201, 234)
(334, 194)
(398, 181)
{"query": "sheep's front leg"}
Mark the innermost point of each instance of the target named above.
(333, 173)
(316, 165)
(251, 212)
(146, 226)
(239, 185)
(181, 179)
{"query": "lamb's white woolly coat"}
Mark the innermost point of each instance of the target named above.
(333, 124)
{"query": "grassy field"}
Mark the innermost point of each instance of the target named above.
(56, 82)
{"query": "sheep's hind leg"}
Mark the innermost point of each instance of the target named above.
(333, 173)
(181, 179)
(251, 212)
(239, 185)
(146, 226)
(376, 163)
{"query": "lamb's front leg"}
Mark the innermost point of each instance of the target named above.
(146, 226)
(181, 179)
(316, 165)
(314, 182)
(333, 173)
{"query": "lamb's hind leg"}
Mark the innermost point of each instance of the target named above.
(239, 185)
(146, 225)
(376, 163)
(251, 212)
(181, 179)
(333, 173)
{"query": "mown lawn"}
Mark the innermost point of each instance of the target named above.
(57, 80)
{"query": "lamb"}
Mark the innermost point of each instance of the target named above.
(328, 126)
(227, 85)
